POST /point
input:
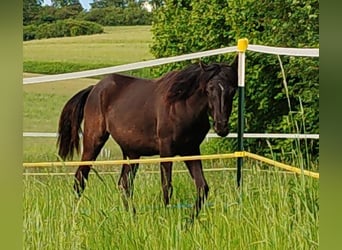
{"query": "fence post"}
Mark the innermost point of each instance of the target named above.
(241, 48)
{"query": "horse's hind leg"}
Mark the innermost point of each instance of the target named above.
(93, 142)
(126, 180)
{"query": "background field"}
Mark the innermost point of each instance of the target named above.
(118, 45)
(273, 210)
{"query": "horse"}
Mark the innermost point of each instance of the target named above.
(165, 116)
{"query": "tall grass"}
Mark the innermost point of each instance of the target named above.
(277, 211)
(299, 154)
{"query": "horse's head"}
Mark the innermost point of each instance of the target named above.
(220, 89)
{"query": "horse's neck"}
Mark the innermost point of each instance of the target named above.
(198, 103)
(194, 106)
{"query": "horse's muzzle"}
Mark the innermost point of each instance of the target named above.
(221, 129)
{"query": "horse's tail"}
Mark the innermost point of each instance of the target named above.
(69, 125)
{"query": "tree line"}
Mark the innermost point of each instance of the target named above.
(69, 18)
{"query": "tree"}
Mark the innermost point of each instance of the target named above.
(132, 13)
(156, 3)
(273, 105)
(47, 14)
(108, 3)
(64, 3)
(30, 10)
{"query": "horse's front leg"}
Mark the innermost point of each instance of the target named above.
(166, 180)
(166, 169)
(196, 172)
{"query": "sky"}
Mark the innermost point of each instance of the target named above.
(85, 3)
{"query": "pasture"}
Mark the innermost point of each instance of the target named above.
(118, 45)
(273, 210)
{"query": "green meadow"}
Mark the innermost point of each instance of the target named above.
(273, 209)
(118, 45)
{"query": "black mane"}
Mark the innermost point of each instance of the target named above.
(185, 82)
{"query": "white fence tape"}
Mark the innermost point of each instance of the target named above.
(307, 52)
(138, 65)
(284, 51)
(126, 67)
(210, 135)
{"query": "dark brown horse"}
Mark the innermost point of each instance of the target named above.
(166, 116)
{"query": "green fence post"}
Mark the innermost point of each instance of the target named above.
(241, 48)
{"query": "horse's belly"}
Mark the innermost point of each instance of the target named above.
(134, 130)
(140, 143)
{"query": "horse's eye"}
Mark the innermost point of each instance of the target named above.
(210, 89)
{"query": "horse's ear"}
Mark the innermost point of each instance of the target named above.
(235, 64)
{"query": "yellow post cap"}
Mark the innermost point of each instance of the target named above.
(242, 45)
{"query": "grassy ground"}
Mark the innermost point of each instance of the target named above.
(277, 210)
(118, 45)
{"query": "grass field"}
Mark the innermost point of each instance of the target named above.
(118, 45)
(273, 210)
(277, 211)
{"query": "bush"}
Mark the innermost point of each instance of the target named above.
(61, 28)
(185, 26)
(29, 32)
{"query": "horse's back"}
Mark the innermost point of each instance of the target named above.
(119, 90)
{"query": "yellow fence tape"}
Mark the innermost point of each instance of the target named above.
(175, 159)
(282, 165)
(132, 161)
